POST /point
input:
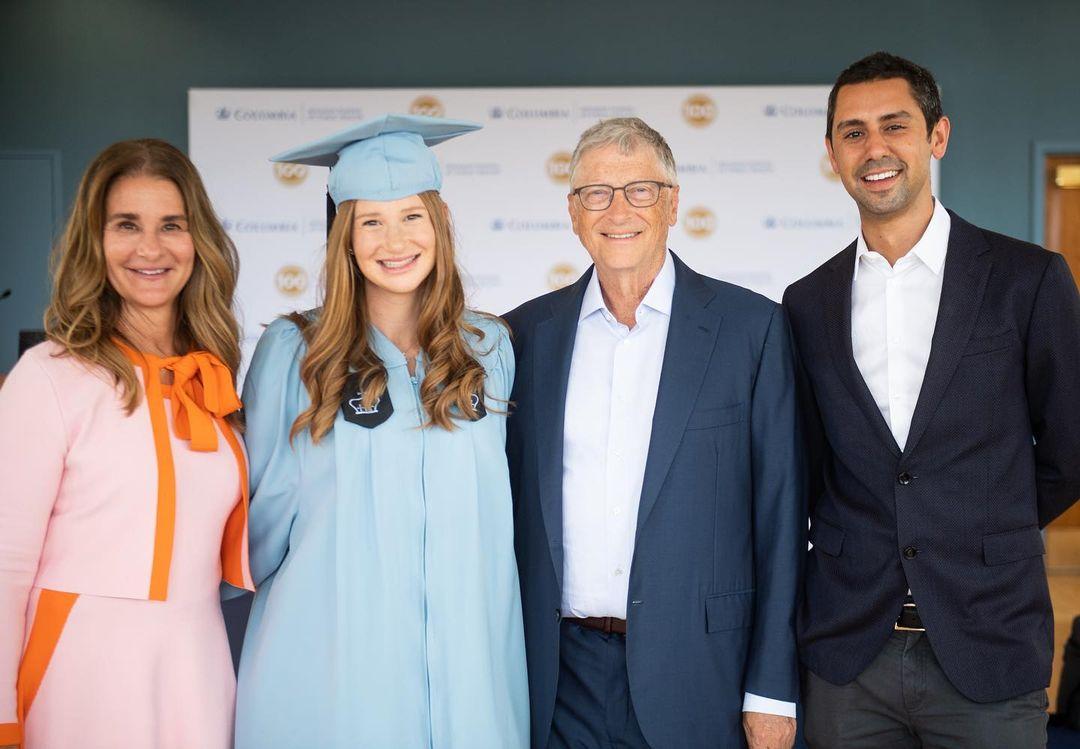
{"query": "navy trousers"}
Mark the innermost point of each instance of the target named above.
(593, 709)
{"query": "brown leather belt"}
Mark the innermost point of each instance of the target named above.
(909, 620)
(606, 624)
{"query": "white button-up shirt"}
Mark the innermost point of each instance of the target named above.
(610, 399)
(893, 314)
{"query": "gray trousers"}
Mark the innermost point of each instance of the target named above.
(903, 700)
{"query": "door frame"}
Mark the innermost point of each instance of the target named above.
(51, 160)
(1040, 149)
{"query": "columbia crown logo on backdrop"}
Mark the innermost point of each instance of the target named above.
(558, 167)
(794, 110)
(529, 113)
(560, 275)
(290, 174)
(427, 106)
(699, 110)
(699, 222)
(291, 280)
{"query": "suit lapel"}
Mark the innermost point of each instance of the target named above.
(553, 351)
(837, 308)
(691, 338)
(966, 272)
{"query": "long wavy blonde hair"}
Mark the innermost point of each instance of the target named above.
(338, 342)
(84, 313)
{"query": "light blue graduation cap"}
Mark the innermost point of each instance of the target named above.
(385, 158)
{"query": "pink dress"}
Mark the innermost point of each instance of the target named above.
(136, 672)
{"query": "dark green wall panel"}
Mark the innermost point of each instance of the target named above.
(75, 76)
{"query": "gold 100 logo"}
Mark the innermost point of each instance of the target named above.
(291, 280)
(826, 169)
(558, 167)
(699, 222)
(560, 275)
(290, 174)
(699, 110)
(427, 106)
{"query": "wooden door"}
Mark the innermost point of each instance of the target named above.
(1062, 234)
(1061, 224)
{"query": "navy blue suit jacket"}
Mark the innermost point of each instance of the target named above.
(720, 529)
(993, 455)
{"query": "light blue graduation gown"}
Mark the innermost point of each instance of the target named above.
(387, 613)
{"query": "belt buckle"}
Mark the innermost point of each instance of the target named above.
(898, 627)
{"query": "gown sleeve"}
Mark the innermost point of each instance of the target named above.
(499, 363)
(33, 449)
(271, 403)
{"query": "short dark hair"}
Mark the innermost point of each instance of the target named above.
(881, 66)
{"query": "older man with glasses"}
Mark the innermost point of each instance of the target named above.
(658, 495)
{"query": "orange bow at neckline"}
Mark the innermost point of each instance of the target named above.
(202, 390)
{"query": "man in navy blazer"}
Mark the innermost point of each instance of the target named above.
(940, 380)
(654, 461)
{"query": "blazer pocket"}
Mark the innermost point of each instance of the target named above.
(728, 611)
(989, 344)
(717, 416)
(1012, 546)
(826, 537)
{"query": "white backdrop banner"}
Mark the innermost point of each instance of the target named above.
(759, 205)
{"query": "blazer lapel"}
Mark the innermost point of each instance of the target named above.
(837, 308)
(966, 273)
(552, 353)
(691, 338)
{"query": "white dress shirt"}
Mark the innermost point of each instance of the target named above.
(610, 399)
(893, 314)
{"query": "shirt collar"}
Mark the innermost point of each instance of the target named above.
(931, 247)
(657, 298)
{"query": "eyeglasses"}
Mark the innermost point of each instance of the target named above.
(638, 194)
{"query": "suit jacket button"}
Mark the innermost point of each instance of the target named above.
(910, 552)
(904, 478)
(558, 615)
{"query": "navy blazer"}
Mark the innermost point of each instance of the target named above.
(993, 455)
(720, 528)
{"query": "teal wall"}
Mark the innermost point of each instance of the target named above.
(77, 75)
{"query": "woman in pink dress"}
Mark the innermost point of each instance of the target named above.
(124, 482)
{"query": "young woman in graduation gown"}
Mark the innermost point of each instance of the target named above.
(124, 502)
(387, 611)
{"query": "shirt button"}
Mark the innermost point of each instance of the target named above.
(618, 571)
(904, 479)
(616, 511)
(910, 552)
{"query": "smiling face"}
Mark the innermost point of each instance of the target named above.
(880, 148)
(394, 244)
(149, 253)
(622, 238)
